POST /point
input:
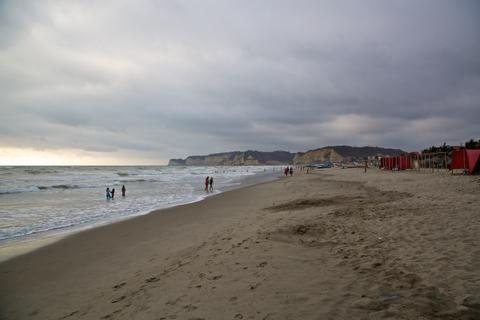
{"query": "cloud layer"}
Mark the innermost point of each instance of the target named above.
(148, 80)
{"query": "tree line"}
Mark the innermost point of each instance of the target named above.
(471, 144)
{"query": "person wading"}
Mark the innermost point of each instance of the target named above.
(207, 181)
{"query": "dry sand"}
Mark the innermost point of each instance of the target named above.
(336, 244)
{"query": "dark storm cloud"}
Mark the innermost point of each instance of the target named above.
(160, 79)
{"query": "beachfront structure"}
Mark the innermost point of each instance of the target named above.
(468, 160)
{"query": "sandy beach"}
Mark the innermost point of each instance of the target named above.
(334, 244)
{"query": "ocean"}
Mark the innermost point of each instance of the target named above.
(37, 201)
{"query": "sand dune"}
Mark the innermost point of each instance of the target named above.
(336, 244)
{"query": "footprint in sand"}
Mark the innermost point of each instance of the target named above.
(118, 299)
(173, 301)
(118, 286)
(64, 317)
(254, 286)
(190, 307)
(110, 315)
(152, 279)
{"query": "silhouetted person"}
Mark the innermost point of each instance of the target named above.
(123, 190)
(211, 183)
(207, 181)
(291, 170)
(113, 192)
(108, 194)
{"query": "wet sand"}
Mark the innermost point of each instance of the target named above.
(334, 244)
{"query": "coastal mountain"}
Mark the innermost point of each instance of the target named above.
(236, 158)
(317, 156)
(342, 154)
(250, 157)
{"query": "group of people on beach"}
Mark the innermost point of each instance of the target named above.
(288, 170)
(111, 193)
(208, 182)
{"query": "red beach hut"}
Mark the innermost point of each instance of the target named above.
(466, 159)
(403, 162)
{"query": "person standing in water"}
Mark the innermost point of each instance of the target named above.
(123, 190)
(207, 181)
(211, 183)
(113, 192)
(108, 194)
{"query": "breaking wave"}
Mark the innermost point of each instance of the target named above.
(60, 186)
(123, 174)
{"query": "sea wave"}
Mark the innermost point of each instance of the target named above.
(41, 188)
(19, 190)
(60, 186)
(123, 174)
(32, 232)
(39, 171)
(137, 180)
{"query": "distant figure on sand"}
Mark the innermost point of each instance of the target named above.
(108, 194)
(285, 171)
(123, 190)
(291, 170)
(211, 183)
(207, 181)
(113, 192)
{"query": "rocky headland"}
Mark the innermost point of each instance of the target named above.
(330, 153)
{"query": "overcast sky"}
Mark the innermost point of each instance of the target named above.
(144, 81)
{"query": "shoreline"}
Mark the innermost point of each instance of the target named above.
(336, 244)
(11, 248)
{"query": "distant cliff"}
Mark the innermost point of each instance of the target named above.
(236, 158)
(330, 153)
(342, 154)
(317, 156)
